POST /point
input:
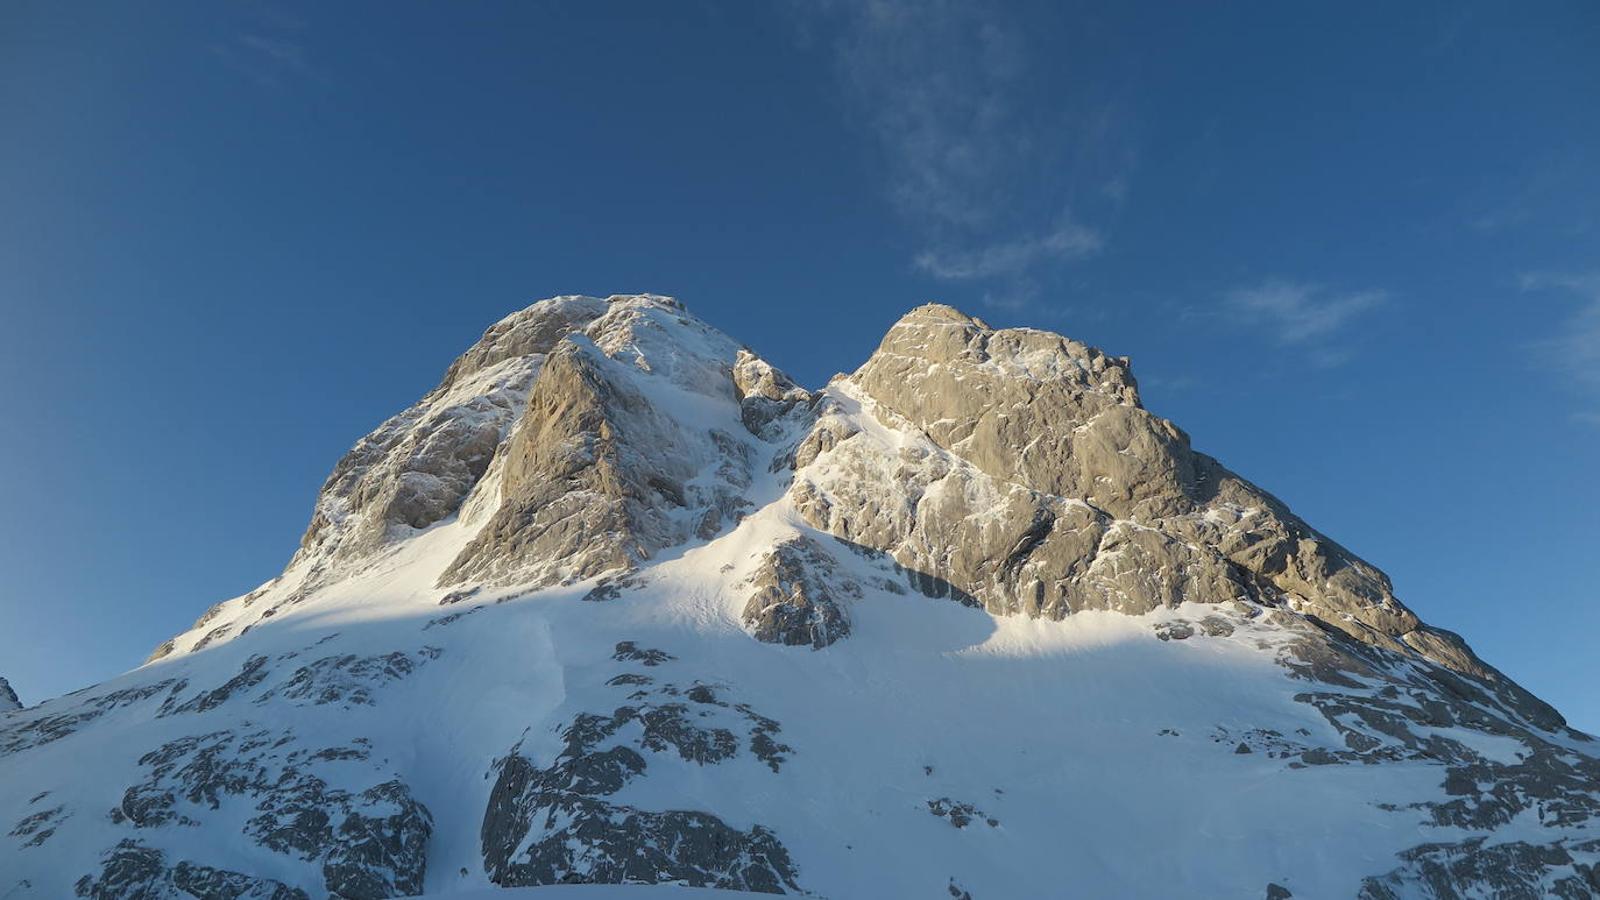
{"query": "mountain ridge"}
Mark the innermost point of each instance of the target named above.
(613, 542)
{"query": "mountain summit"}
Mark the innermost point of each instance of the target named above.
(620, 602)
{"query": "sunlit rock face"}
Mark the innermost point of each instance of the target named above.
(620, 602)
(1037, 483)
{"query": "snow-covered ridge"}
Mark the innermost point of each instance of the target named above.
(620, 602)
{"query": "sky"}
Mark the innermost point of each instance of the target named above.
(1351, 249)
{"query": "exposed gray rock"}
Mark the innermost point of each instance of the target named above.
(455, 597)
(418, 467)
(767, 397)
(204, 623)
(347, 679)
(37, 827)
(798, 595)
(1044, 488)
(1174, 631)
(369, 844)
(1515, 870)
(611, 587)
(8, 698)
(628, 651)
(960, 814)
(554, 825)
(132, 870)
(581, 839)
(598, 476)
(62, 718)
(252, 673)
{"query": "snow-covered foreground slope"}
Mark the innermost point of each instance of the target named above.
(620, 603)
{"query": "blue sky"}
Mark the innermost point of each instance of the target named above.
(1352, 250)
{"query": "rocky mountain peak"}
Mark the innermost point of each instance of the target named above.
(8, 698)
(942, 336)
(1023, 473)
(570, 616)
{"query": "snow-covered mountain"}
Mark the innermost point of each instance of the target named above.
(619, 602)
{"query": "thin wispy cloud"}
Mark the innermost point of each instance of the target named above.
(1575, 352)
(270, 50)
(1555, 193)
(981, 177)
(1070, 241)
(1295, 313)
(935, 81)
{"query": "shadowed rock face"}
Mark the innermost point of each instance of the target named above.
(558, 824)
(8, 698)
(418, 467)
(766, 396)
(133, 870)
(1516, 870)
(369, 843)
(1042, 487)
(600, 475)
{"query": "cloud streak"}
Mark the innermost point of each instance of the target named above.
(1575, 352)
(935, 82)
(942, 87)
(1297, 313)
(269, 48)
(1069, 242)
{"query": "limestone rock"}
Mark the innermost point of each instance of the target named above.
(798, 596)
(418, 467)
(600, 472)
(1035, 482)
(766, 395)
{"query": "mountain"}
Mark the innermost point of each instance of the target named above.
(8, 698)
(618, 601)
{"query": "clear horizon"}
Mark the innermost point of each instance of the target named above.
(1352, 253)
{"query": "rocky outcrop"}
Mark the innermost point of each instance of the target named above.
(798, 596)
(576, 438)
(49, 723)
(418, 467)
(1515, 870)
(8, 698)
(557, 824)
(604, 468)
(767, 397)
(369, 843)
(132, 869)
(1037, 483)
(347, 679)
(959, 813)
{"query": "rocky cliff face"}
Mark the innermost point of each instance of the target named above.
(1036, 482)
(603, 470)
(620, 602)
(8, 698)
